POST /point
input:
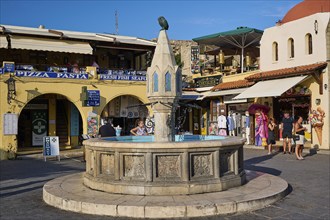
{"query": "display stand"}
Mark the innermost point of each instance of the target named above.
(51, 147)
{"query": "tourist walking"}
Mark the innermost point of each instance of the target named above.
(140, 130)
(300, 132)
(271, 134)
(107, 130)
(287, 126)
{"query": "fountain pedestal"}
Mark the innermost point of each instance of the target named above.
(163, 114)
(164, 88)
(196, 164)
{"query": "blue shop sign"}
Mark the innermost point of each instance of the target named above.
(122, 77)
(9, 67)
(51, 75)
(93, 98)
(47, 147)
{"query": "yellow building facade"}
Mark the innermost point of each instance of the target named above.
(42, 95)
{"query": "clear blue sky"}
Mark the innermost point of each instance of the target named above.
(187, 19)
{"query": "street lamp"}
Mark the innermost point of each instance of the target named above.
(11, 89)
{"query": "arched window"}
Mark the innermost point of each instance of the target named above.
(308, 44)
(155, 82)
(167, 82)
(291, 48)
(275, 51)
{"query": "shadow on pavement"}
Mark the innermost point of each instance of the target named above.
(250, 164)
(27, 174)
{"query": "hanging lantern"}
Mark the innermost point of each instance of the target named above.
(248, 59)
(11, 89)
(221, 57)
(234, 63)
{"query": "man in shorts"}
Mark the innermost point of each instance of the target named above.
(287, 126)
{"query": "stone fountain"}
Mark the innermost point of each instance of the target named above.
(164, 175)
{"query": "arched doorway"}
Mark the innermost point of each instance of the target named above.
(48, 115)
(124, 111)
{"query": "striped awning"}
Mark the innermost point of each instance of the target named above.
(3, 41)
(270, 88)
(43, 44)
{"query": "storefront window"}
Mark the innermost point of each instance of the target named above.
(296, 100)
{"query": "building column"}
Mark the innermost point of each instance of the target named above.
(52, 116)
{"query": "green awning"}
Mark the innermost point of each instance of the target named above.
(241, 37)
(235, 35)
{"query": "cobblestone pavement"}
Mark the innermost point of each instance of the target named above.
(21, 183)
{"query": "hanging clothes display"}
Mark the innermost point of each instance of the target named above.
(222, 125)
(231, 125)
(261, 134)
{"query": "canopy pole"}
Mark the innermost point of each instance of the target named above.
(242, 60)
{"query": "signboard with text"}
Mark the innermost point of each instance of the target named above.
(112, 75)
(51, 75)
(122, 77)
(51, 146)
(10, 123)
(93, 98)
(208, 81)
(8, 67)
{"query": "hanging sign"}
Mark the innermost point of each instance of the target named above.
(51, 146)
(93, 98)
(8, 67)
(208, 81)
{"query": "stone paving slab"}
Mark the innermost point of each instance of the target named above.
(69, 193)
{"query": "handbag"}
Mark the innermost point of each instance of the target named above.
(296, 137)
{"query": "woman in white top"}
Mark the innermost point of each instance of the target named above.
(140, 130)
(300, 131)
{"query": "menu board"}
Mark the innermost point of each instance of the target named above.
(93, 98)
(10, 123)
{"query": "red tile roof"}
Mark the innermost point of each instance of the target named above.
(293, 71)
(306, 8)
(232, 85)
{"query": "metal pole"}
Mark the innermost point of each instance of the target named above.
(242, 60)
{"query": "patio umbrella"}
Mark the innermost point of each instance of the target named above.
(241, 38)
(254, 107)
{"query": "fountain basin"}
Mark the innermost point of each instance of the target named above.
(138, 166)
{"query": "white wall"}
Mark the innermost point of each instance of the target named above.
(297, 30)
